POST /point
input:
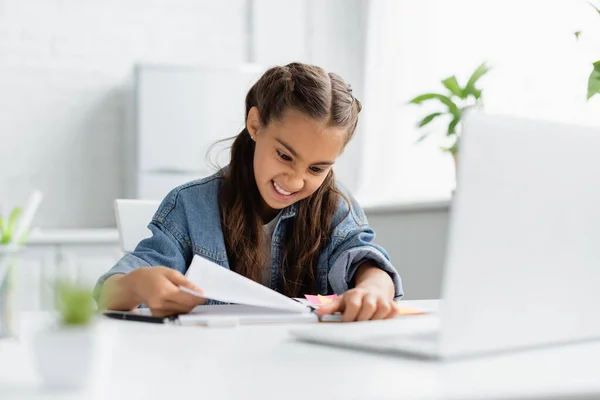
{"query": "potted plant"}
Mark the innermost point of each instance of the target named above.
(455, 101)
(9, 248)
(13, 233)
(64, 351)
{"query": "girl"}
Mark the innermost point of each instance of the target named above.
(274, 215)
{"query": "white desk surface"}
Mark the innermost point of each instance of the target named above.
(147, 361)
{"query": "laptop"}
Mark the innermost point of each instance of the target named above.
(522, 266)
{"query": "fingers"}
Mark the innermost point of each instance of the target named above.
(393, 311)
(174, 304)
(360, 305)
(185, 299)
(384, 308)
(368, 308)
(335, 306)
(169, 299)
(352, 305)
(180, 297)
(371, 308)
(179, 279)
(167, 308)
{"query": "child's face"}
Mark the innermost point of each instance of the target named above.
(292, 157)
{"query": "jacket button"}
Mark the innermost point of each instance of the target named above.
(277, 239)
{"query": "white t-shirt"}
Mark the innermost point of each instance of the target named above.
(267, 242)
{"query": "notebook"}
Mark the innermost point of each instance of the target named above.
(250, 302)
(254, 302)
(219, 315)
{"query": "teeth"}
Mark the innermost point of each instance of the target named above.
(280, 190)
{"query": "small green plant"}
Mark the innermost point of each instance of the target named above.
(8, 226)
(594, 79)
(74, 302)
(456, 101)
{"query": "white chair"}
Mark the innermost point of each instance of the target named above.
(133, 217)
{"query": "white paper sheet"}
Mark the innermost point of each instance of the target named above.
(221, 284)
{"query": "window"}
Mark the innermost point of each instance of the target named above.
(539, 70)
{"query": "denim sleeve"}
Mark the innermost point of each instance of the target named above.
(161, 249)
(353, 250)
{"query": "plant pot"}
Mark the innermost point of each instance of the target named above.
(455, 157)
(64, 356)
(8, 273)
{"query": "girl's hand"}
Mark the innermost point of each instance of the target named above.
(158, 288)
(362, 304)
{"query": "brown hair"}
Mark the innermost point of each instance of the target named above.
(321, 96)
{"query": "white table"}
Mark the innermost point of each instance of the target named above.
(147, 361)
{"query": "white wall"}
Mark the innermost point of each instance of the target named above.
(63, 67)
(338, 37)
(415, 239)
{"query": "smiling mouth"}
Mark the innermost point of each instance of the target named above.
(281, 190)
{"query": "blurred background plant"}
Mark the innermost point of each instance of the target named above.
(594, 78)
(8, 227)
(455, 101)
(74, 302)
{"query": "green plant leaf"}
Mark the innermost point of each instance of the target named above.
(452, 125)
(7, 227)
(452, 85)
(424, 97)
(428, 119)
(12, 221)
(422, 137)
(577, 34)
(595, 8)
(3, 232)
(594, 81)
(470, 88)
(452, 107)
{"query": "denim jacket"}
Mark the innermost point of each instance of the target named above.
(188, 222)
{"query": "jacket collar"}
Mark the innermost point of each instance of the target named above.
(289, 211)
